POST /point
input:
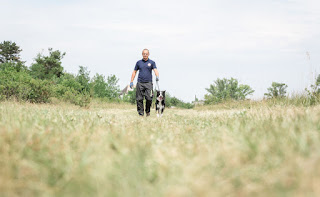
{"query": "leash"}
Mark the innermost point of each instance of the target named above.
(158, 86)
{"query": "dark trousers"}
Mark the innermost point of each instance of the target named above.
(144, 90)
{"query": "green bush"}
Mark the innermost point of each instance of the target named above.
(227, 89)
(18, 66)
(81, 99)
(40, 91)
(21, 86)
(14, 84)
(175, 102)
(68, 89)
(69, 80)
(71, 95)
(277, 90)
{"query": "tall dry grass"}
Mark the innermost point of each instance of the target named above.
(246, 149)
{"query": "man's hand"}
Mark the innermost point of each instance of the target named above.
(131, 85)
(156, 73)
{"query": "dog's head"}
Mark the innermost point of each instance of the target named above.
(161, 95)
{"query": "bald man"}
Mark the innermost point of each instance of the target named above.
(144, 87)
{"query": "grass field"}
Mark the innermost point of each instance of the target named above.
(251, 149)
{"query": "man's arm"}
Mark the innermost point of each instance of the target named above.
(133, 75)
(132, 78)
(156, 72)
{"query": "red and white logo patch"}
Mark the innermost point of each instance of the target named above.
(149, 64)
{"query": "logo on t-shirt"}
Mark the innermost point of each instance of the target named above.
(149, 64)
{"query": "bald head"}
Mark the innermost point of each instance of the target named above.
(145, 51)
(145, 54)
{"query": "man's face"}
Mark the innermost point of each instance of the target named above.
(145, 54)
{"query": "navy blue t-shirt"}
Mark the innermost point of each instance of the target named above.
(145, 70)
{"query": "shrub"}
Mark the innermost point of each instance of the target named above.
(68, 88)
(68, 80)
(175, 102)
(81, 99)
(277, 90)
(40, 91)
(18, 66)
(21, 86)
(14, 84)
(227, 89)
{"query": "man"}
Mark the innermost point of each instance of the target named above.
(144, 87)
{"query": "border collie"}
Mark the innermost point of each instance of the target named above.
(160, 102)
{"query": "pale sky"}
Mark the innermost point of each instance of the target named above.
(192, 42)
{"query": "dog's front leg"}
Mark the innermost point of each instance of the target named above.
(157, 110)
(160, 110)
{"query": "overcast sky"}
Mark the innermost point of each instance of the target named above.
(192, 42)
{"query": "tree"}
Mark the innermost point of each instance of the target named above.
(277, 90)
(83, 78)
(225, 89)
(113, 89)
(106, 88)
(46, 67)
(9, 52)
(10, 56)
(99, 86)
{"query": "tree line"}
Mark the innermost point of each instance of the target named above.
(45, 78)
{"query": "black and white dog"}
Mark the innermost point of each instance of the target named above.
(160, 102)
